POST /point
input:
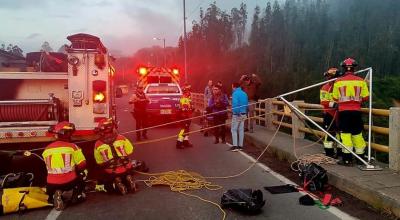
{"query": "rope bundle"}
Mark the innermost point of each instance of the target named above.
(180, 180)
(312, 158)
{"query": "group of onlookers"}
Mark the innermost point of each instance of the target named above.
(244, 98)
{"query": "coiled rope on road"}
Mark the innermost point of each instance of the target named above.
(181, 180)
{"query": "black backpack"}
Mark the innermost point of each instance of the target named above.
(245, 200)
(313, 177)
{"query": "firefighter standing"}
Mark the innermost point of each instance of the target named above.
(349, 91)
(330, 114)
(140, 101)
(111, 153)
(65, 164)
(186, 110)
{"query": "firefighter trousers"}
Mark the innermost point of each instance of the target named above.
(351, 126)
(141, 123)
(330, 126)
(77, 185)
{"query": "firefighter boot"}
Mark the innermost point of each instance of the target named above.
(58, 201)
(339, 153)
(359, 162)
(120, 186)
(131, 184)
(78, 195)
(179, 144)
(329, 152)
(347, 160)
(186, 143)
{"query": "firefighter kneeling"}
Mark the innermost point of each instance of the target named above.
(111, 153)
(350, 91)
(65, 167)
(186, 110)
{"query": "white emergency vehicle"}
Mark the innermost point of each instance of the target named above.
(82, 93)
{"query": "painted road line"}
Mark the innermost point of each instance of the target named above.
(333, 210)
(53, 215)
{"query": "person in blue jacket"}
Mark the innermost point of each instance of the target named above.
(218, 104)
(240, 103)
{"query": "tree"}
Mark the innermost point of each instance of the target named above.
(17, 51)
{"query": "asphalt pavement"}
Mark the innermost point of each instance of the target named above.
(205, 158)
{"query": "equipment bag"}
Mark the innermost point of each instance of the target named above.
(313, 177)
(246, 200)
(13, 180)
(21, 199)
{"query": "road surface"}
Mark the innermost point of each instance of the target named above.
(205, 158)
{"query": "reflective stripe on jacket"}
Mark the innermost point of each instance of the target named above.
(185, 103)
(349, 92)
(102, 151)
(325, 97)
(62, 159)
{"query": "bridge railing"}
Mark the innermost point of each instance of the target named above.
(269, 113)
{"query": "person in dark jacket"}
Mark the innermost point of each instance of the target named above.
(140, 101)
(250, 84)
(218, 104)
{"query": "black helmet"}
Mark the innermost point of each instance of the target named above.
(332, 73)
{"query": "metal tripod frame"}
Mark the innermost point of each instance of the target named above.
(368, 165)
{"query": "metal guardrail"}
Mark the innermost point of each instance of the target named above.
(198, 99)
(305, 106)
(298, 129)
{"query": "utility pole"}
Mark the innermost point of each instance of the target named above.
(164, 53)
(184, 39)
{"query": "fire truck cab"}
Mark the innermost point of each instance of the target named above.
(37, 98)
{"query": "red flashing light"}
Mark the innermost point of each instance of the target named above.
(175, 71)
(142, 70)
(99, 97)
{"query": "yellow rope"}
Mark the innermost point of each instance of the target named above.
(181, 180)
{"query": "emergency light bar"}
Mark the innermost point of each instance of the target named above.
(142, 71)
(175, 71)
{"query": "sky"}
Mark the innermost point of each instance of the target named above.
(124, 26)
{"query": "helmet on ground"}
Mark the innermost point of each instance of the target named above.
(63, 128)
(106, 125)
(332, 73)
(349, 64)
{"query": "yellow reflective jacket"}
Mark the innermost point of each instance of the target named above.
(185, 103)
(349, 92)
(62, 159)
(103, 152)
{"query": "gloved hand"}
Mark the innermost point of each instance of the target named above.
(333, 105)
(84, 174)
